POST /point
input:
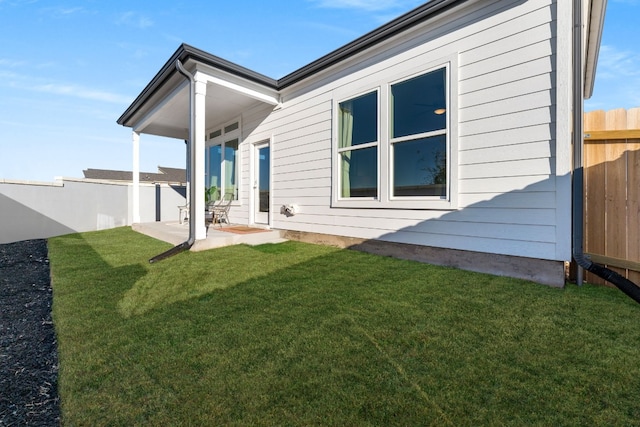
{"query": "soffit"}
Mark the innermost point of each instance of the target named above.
(166, 111)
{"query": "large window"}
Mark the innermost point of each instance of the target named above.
(395, 144)
(419, 135)
(221, 162)
(358, 146)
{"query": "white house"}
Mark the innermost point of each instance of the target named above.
(444, 135)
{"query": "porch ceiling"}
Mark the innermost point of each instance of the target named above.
(162, 108)
(170, 115)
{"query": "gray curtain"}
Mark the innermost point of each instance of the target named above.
(346, 140)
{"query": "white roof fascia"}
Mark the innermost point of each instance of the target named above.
(595, 23)
(236, 84)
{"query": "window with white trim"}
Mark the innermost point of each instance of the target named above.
(358, 146)
(418, 135)
(394, 145)
(221, 162)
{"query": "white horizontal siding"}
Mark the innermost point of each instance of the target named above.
(505, 153)
(517, 120)
(505, 184)
(516, 30)
(473, 214)
(505, 91)
(308, 183)
(513, 200)
(302, 175)
(501, 138)
(532, 68)
(501, 107)
(506, 147)
(543, 167)
(543, 233)
(303, 115)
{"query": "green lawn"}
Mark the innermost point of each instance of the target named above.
(299, 334)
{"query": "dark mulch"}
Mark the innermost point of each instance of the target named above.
(28, 354)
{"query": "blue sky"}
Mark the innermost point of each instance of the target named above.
(69, 69)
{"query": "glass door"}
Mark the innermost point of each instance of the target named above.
(262, 188)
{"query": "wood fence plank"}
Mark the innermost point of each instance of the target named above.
(633, 200)
(594, 190)
(615, 262)
(595, 120)
(594, 218)
(616, 201)
(616, 119)
(634, 276)
(612, 193)
(594, 135)
(633, 118)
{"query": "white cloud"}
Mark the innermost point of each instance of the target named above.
(134, 19)
(615, 64)
(81, 92)
(133, 50)
(61, 12)
(11, 63)
(24, 82)
(617, 79)
(69, 11)
(336, 29)
(17, 2)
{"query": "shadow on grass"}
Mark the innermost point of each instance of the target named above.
(379, 341)
(298, 334)
(194, 274)
(97, 264)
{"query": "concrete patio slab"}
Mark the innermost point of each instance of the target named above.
(176, 233)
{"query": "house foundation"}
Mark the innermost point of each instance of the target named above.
(546, 272)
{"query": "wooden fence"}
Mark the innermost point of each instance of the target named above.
(612, 191)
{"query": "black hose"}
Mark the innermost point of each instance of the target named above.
(625, 285)
(171, 252)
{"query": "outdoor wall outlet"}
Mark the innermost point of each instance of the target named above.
(289, 210)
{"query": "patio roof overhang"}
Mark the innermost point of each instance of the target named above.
(162, 108)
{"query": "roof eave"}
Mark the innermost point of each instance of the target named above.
(184, 53)
(398, 25)
(594, 38)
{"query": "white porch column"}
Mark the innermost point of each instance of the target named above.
(135, 202)
(198, 146)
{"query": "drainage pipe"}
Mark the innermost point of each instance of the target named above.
(625, 285)
(190, 154)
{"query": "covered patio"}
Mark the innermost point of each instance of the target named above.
(190, 98)
(216, 237)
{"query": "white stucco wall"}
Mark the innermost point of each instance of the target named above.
(31, 210)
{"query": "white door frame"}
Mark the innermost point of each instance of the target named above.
(261, 218)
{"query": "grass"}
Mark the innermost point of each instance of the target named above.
(299, 334)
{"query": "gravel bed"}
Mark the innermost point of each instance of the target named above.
(28, 353)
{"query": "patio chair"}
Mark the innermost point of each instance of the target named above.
(183, 213)
(208, 210)
(221, 210)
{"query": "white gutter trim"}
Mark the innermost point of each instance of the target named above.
(594, 37)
